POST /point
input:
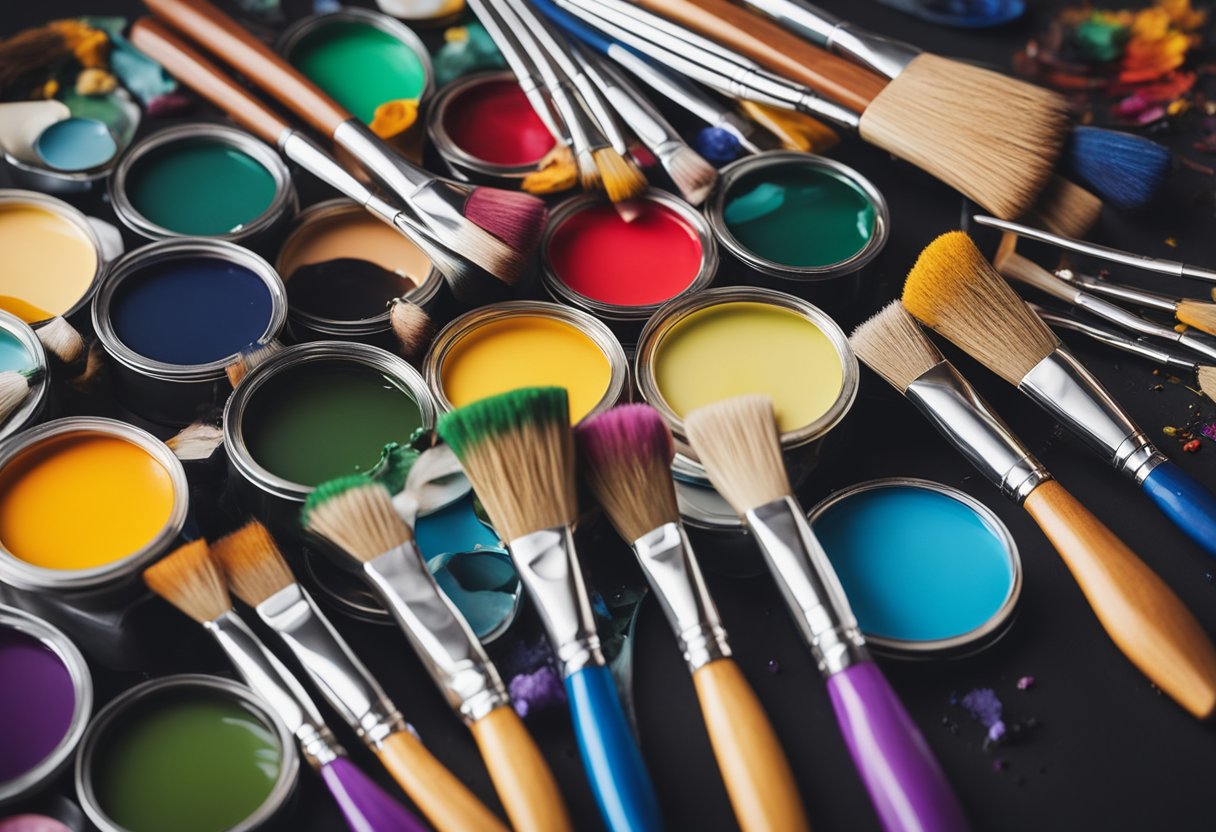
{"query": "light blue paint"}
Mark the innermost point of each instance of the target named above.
(76, 144)
(453, 528)
(916, 564)
(13, 354)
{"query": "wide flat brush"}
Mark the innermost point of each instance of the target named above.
(259, 576)
(518, 452)
(191, 581)
(356, 515)
(15, 389)
(737, 442)
(626, 455)
(1144, 618)
(955, 291)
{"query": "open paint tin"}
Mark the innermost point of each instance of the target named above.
(203, 180)
(191, 753)
(731, 341)
(85, 504)
(46, 696)
(799, 222)
(20, 350)
(929, 571)
(172, 315)
(342, 267)
(524, 343)
(52, 257)
(622, 272)
(485, 130)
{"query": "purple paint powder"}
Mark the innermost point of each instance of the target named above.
(37, 701)
(985, 708)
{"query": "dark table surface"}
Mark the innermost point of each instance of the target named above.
(1106, 750)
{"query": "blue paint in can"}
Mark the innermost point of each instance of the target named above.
(76, 144)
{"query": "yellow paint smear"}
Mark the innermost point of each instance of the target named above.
(48, 262)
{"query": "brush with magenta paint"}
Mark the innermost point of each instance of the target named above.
(356, 515)
(955, 291)
(626, 455)
(737, 442)
(190, 580)
(1144, 618)
(517, 449)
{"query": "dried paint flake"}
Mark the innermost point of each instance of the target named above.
(985, 708)
(1026, 683)
(537, 691)
(774, 666)
(1209, 431)
(1192, 447)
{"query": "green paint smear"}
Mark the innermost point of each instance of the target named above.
(200, 187)
(360, 66)
(321, 421)
(798, 215)
(192, 762)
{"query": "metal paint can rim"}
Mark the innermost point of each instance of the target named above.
(40, 390)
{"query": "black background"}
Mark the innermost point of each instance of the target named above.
(1108, 751)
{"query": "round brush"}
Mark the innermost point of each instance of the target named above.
(61, 340)
(15, 389)
(413, 328)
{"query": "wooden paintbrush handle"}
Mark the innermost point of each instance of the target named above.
(255, 60)
(757, 775)
(774, 48)
(1140, 613)
(521, 776)
(447, 803)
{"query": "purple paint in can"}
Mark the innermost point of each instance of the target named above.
(37, 702)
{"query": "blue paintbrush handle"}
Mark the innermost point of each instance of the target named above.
(1191, 506)
(610, 755)
(571, 25)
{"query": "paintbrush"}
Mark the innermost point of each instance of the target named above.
(15, 386)
(413, 328)
(191, 581)
(259, 576)
(626, 455)
(517, 450)
(954, 290)
(356, 515)
(1064, 208)
(61, 340)
(736, 440)
(1139, 612)
(193, 69)
(496, 229)
(249, 358)
(1205, 374)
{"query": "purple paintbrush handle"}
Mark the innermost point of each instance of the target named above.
(364, 804)
(906, 785)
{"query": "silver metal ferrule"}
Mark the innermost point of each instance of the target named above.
(438, 632)
(1139, 297)
(673, 573)
(1063, 387)
(809, 584)
(308, 155)
(548, 566)
(347, 685)
(949, 401)
(1118, 340)
(277, 687)
(590, 85)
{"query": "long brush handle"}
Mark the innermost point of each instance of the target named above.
(438, 793)
(521, 776)
(1138, 611)
(757, 775)
(364, 804)
(610, 755)
(1188, 504)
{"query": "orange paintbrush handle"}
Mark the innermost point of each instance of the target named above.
(753, 766)
(1147, 621)
(521, 776)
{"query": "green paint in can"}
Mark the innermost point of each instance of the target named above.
(798, 214)
(316, 421)
(359, 65)
(190, 761)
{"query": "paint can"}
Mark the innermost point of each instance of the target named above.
(173, 314)
(800, 223)
(622, 272)
(930, 571)
(204, 180)
(485, 130)
(20, 349)
(47, 696)
(731, 341)
(85, 504)
(526, 343)
(330, 297)
(55, 148)
(141, 762)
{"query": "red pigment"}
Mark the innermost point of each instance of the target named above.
(648, 260)
(494, 122)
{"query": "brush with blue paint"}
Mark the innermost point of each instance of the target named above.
(517, 449)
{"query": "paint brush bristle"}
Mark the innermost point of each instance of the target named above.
(517, 449)
(61, 339)
(191, 581)
(356, 514)
(621, 177)
(15, 389)
(252, 563)
(249, 358)
(515, 218)
(893, 345)
(1065, 209)
(955, 291)
(413, 328)
(692, 175)
(1207, 381)
(626, 455)
(198, 440)
(737, 442)
(1198, 314)
(1127, 170)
